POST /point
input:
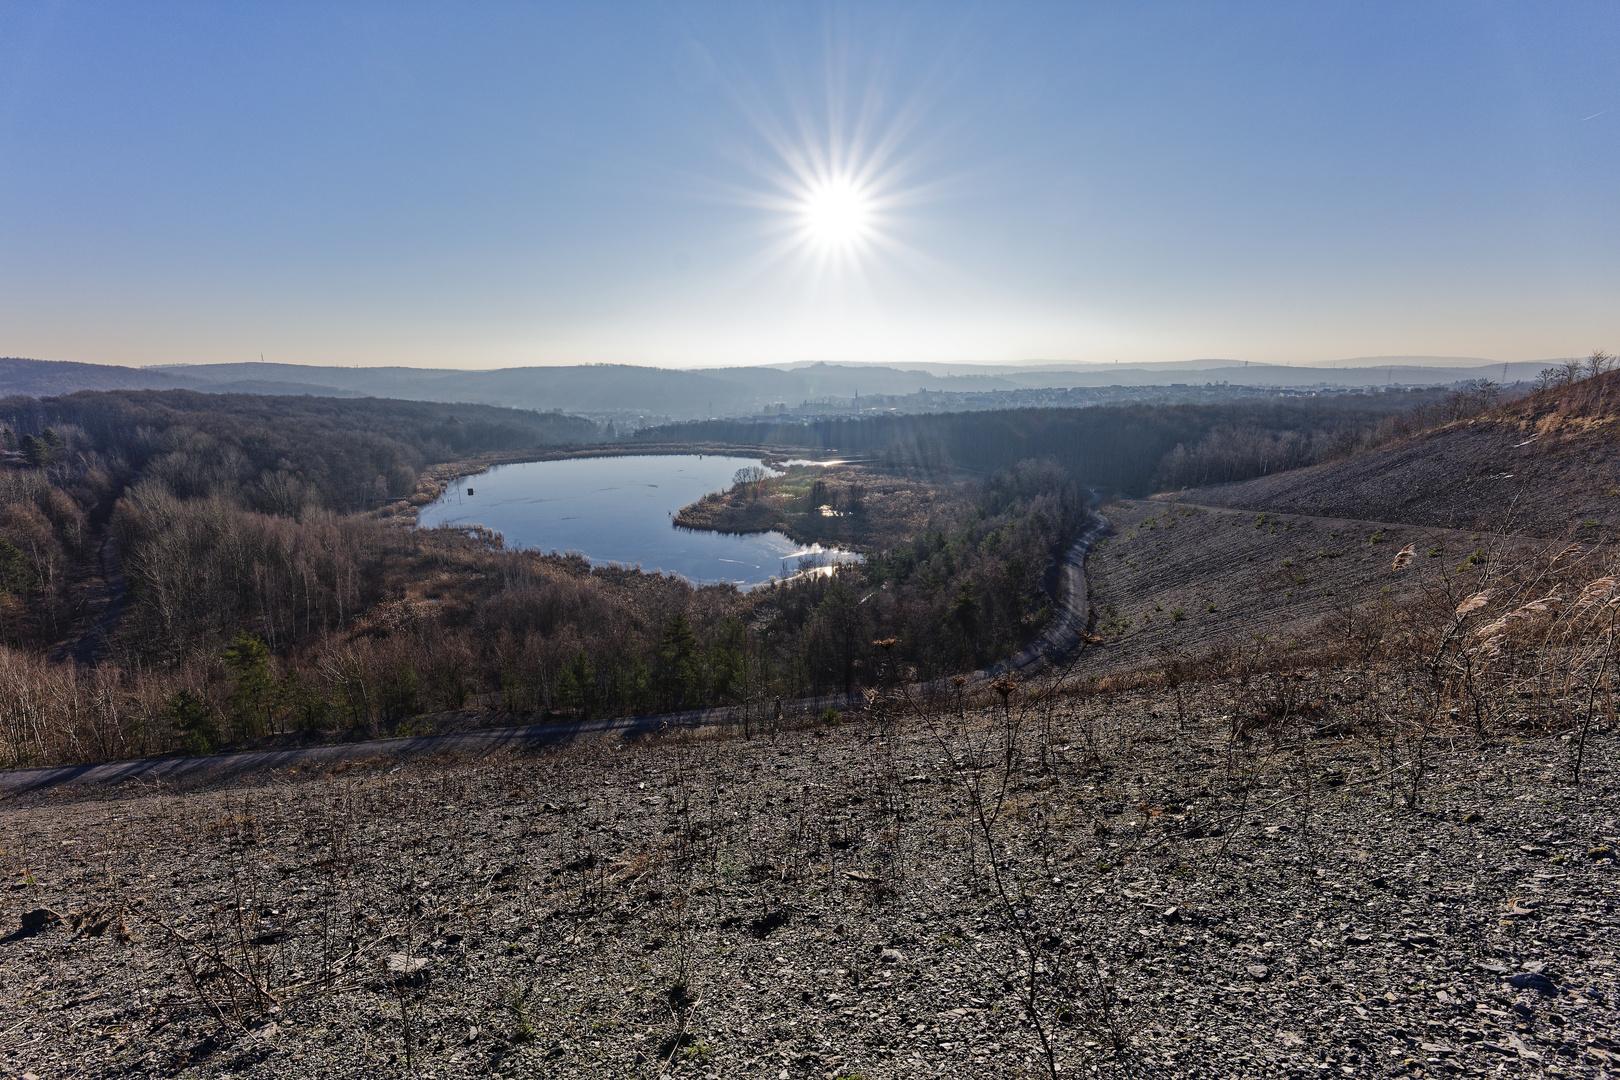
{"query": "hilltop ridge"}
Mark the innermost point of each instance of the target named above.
(629, 392)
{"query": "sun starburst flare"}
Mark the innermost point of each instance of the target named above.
(837, 215)
(841, 184)
(837, 191)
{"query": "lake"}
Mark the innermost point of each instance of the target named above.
(619, 510)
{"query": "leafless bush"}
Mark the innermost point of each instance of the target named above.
(1061, 983)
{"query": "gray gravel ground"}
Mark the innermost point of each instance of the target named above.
(1176, 579)
(823, 904)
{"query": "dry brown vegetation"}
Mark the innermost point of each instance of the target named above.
(1383, 855)
(1177, 581)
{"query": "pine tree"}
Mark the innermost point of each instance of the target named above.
(679, 677)
(253, 701)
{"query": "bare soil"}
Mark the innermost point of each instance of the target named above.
(1174, 580)
(1187, 897)
(1523, 471)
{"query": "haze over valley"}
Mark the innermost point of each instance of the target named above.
(634, 397)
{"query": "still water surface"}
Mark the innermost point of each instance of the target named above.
(620, 510)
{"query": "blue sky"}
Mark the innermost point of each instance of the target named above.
(493, 185)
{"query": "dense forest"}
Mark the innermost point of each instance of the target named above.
(1133, 449)
(91, 458)
(183, 571)
(277, 454)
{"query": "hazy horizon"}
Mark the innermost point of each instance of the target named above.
(1193, 364)
(694, 186)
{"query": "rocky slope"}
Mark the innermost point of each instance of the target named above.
(1174, 582)
(1236, 893)
(1547, 465)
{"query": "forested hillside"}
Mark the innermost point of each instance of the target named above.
(632, 393)
(182, 571)
(91, 465)
(280, 453)
(1132, 449)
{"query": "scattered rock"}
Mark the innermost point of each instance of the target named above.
(408, 970)
(1534, 980)
(797, 962)
(667, 1048)
(771, 920)
(679, 996)
(1518, 1046)
(39, 918)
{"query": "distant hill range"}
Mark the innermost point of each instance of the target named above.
(607, 389)
(1547, 464)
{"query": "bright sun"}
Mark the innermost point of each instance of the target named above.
(837, 214)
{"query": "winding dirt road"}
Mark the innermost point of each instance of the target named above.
(1058, 643)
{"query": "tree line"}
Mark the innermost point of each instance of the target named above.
(1574, 370)
(1132, 449)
